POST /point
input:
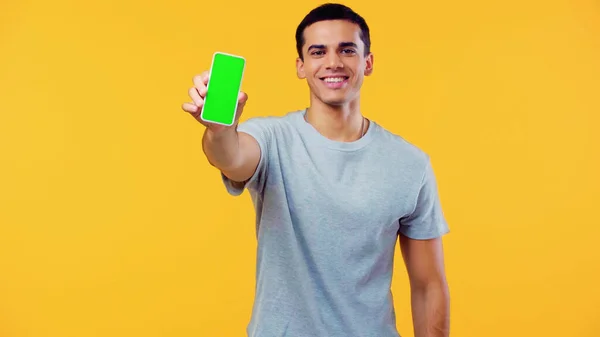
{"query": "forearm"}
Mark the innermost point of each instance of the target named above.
(431, 310)
(222, 148)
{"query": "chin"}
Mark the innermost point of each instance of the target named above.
(336, 100)
(333, 97)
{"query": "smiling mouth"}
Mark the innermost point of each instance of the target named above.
(335, 82)
(338, 79)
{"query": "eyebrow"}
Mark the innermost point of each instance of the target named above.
(341, 45)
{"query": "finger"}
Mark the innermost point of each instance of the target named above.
(201, 81)
(202, 91)
(195, 96)
(190, 107)
(242, 97)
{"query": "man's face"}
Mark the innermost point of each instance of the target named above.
(334, 62)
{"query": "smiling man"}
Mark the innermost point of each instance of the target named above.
(333, 192)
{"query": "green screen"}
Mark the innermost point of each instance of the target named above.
(224, 84)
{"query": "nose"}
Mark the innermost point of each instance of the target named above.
(334, 61)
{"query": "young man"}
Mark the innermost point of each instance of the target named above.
(333, 192)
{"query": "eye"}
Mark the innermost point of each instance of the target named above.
(348, 51)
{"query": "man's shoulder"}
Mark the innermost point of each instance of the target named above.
(265, 128)
(398, 146)
(272, 120)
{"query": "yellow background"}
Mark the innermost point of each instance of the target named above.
(112, 223)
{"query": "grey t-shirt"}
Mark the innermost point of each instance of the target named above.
(328, 215)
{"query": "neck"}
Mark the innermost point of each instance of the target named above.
(340, 123)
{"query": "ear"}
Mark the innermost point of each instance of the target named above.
(300, 68)
(369, 65)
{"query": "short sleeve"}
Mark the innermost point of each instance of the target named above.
(260, 129)
(427, 219)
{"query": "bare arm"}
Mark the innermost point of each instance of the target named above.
(234, 153)
(430, 298)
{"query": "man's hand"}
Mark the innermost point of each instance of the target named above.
(235, 154)
(198, 92)
(429, 289)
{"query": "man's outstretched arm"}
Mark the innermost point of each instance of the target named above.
(430, 296)
(235, 154)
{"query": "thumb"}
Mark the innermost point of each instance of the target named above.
(242, 98)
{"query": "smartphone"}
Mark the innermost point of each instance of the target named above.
(224, 84)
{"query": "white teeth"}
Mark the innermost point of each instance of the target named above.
(334, 79)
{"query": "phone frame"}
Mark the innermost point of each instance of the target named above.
(208, 87)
